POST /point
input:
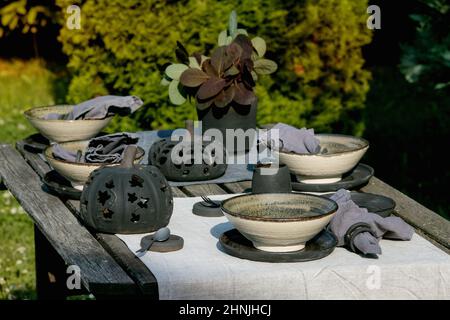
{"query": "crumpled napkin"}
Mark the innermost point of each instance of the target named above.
(100, 108)
(293, 140)
(349, 214)
(105, 149)
(109, 149)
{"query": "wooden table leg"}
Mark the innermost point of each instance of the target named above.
(50, 270)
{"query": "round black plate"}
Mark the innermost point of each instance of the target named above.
(60, 185)
(36, 143)
(203, 209)
(359, 176)
(374, 203)
(236, 245)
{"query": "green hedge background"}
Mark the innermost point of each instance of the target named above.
(123, 47)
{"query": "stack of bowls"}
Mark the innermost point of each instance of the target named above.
(71, 135)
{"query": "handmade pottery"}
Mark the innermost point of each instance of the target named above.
(60, 186)
(271, 178)
(64, 130)
(236, 245)
(126, 198)
(355, 178)
(231, 117)
(339, 154)
(279, 222)
(212, 158)
(78, 172)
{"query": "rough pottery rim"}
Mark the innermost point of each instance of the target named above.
(280, 195)
(30, 113)
(364, 144)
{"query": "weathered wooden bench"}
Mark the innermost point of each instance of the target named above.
(109, 268)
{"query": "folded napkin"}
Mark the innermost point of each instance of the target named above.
(374, 227)
(100, 108)
(109, 149)
(106, 149)
(293, 139)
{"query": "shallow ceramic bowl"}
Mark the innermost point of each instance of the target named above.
(78, 173)
(64, 130)
(343, 153)
(279, 222)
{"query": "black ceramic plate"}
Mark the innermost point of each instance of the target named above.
(359, 176)
(236, 245)
(60, 186)
(374, 203)
(203, 209)
(36, 143)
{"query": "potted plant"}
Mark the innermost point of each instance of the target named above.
(222, 85)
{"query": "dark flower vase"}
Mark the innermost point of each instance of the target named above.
(233, 116)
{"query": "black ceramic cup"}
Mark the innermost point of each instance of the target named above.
(268, 178)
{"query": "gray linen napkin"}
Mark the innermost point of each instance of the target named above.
(105, 149)
(295, 140)
(100, 108)
(349, 214)
(62, 154)
(108, 149)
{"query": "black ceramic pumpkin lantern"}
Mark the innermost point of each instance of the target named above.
(211, 167)
(127, 198)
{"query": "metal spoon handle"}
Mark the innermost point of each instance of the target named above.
(146, 247)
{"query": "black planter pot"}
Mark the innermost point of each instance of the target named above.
(233, 116)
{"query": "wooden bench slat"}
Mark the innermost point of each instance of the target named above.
(237, 187)
(202, 189)
(99, 271)
(429, 223)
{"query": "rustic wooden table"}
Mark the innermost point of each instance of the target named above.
(108, 268)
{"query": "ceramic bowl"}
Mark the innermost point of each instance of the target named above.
(78, 173)
(279, 222)
(343, 153)
(64, 130)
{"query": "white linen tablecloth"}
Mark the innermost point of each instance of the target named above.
(413, 269)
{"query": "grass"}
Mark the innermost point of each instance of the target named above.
(22, 85)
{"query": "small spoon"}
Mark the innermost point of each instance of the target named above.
(160, 235)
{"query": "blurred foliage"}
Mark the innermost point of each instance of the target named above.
(407, 126)
(124, 46)
(427, 59)
(28, 16)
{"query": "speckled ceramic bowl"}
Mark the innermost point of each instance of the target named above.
(64, 130)
(343, 153)
(279, 222)
(78, 173)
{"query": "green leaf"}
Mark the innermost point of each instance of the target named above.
(260, 46)
(175, 70)
(222, 39)
(264, 66)
(231, 71)
(193, 63)
(193, 78)
(242, 31)
(210, 88)
(254, 75)
(165, 82)
(174, 94)
(232, 24)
